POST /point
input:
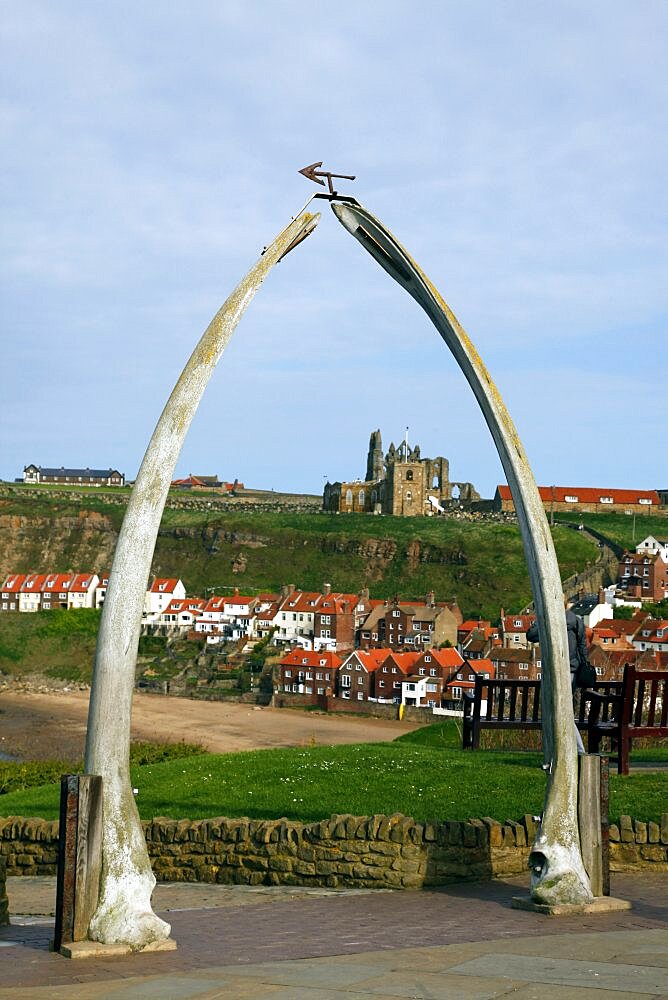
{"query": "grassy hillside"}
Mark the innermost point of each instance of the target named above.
(424, 775)
(481, 563)
(622, 528)
(59, 644)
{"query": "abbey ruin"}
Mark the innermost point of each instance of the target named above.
(400, 482)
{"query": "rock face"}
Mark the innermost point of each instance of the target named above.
(83, 541)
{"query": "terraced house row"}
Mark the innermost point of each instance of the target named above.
(432, 678)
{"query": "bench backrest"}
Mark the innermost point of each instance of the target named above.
(516, 701)
(519, 701)
(645, 698)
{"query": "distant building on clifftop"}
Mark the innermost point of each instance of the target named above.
(400, 483)
(74, 477)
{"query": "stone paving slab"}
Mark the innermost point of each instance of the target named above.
(471, 944)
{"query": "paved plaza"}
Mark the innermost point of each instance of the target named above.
(462, 941)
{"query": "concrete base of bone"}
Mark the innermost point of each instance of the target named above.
(599, 904)
(95, 949)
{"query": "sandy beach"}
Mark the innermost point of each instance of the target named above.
(39, 726)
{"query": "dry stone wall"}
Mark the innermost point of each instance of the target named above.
(353, 851)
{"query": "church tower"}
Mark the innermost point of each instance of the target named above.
(374, 464)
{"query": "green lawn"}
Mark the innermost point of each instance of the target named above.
(620, 527)
(423, 775)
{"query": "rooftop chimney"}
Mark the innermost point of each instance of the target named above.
(326, 589)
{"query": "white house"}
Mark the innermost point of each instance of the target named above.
(82, 590)
(161, 593)
(652, 545)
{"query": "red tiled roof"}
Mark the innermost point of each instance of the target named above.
(310, 658)
(81, 583)
(13, 583)
(587, 494)
(163, 585)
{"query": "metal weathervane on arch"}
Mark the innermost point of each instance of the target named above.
(123, 914)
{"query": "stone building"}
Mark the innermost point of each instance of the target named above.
(400, 482)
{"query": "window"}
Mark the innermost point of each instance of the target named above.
(360, 680)
(349, 497)
(358, 666)
(325, 633)
(309, 689)
(644, 500)
(324, 619)
(345, 680)
(516, 638)
(571, 499)
(432, 687)
(321, 690)
(456, 692)
(459, 675)
(381, 684)
(409, 475)
(360, 695)
(421, 671)
(606, 499)
(396, 614)
(409, 495)
(432, 672)
(427, 659)
(523, 666)
(361, 498)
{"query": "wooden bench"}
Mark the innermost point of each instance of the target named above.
(640, 709)
(516, 705)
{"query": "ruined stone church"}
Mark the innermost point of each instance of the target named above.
(400, 482)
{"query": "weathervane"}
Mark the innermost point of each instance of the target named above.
(314, 175)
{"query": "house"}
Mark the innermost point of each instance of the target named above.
(400, 625)
(337, 619)
(514, 629)
(11, 588)
(101, 590)
(516, 664)
(475, 638)
(30, 595)
(462, 679)
(652, 545)
(33, 474)
(389, 676)
(162, 591)
(356, 675)
(593, 608)
(644, 575)
(308, 672)
(652, 635)
(82, 591)
(55, 591)
(584, 499)
(427, 680)
(181, 613)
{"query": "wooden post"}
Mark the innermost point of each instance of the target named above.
(79, 856)
(605, 823)
(589, 819)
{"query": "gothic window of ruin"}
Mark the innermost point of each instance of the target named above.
(409, 495)
(436, 484)
(349, 497)
(361, 498)
(374, 496)
(409, 474)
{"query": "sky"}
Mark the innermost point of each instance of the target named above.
(518, 150)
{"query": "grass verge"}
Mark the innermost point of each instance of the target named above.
(423, 775)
